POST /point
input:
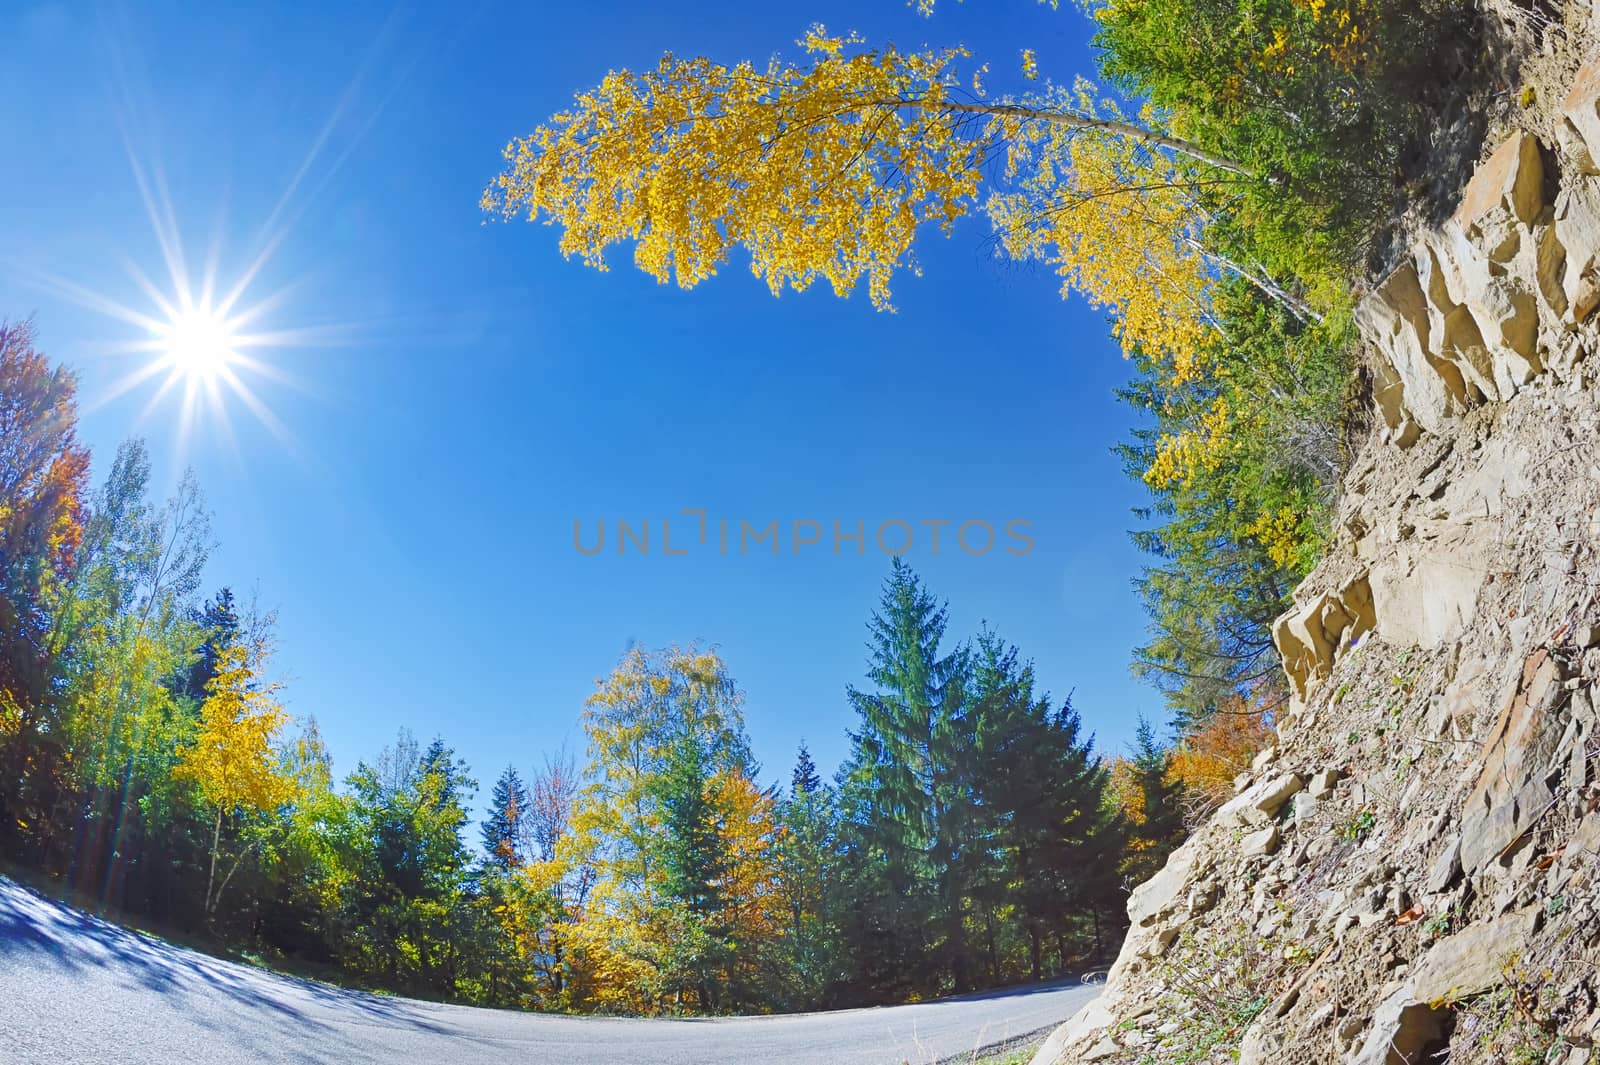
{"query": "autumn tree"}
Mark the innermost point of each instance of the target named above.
(669, 823)
(232, 760)
(827, 169)
(1214, 751)
(43, 474)
(551, 797)
(749, 891)
(560, 877)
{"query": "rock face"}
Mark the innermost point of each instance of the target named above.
(1411, 874)
(1309, 637)
(1458, 322)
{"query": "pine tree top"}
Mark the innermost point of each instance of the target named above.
(804, 780)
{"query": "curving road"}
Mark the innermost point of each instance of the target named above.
(75, 990)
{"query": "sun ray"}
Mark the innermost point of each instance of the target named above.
(263, 413)
(274, 373)
(173, 379)
(158, 209)
(125, 384)
(84, 297)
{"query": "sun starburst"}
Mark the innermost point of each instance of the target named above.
(220, 347)
(199, 344)
(205, 344)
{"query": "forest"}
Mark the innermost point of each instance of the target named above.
(973, 838)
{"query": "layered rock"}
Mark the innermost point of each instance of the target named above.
(1410, 872)
(1480, 306)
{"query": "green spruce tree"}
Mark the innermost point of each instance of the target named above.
(503, 828)
(906, 794)
(807, 863)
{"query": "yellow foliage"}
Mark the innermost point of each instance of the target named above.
(747, 816)
(231, 760)
(10, 715)
(1184, 455)
(622, 924)
(828, 170)
(820, 171)
(1126, 795)
(1279, 532)
(925, 7)
(121, 708)
(1119, 222)
(1333, 31)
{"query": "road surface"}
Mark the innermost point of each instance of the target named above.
(75, 990)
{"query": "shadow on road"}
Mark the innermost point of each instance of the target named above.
(52, 933)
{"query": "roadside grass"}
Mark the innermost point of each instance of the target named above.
(1015, 1056)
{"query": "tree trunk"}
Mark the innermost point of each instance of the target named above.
(994, 950)
(1105, 125)
(958, 947)
(211, 880)
(234, 868)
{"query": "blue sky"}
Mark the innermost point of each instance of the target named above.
(467, 394)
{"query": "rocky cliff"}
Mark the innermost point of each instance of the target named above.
(1413, 872)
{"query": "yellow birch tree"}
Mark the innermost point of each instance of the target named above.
(231, 761)
(821, 170)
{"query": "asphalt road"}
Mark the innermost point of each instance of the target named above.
(75, 990)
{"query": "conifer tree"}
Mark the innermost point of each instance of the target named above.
(1158, 829)
(807, 863)
(503, 828)
(804, 780)
(1049, 842)
(905, 789)
(692, 854)
(454, 779)
(690, 847)
(219, 620)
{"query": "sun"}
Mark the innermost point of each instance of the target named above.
(198, 343)
(206, 343)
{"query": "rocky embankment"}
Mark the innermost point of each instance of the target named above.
(1413, 872)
